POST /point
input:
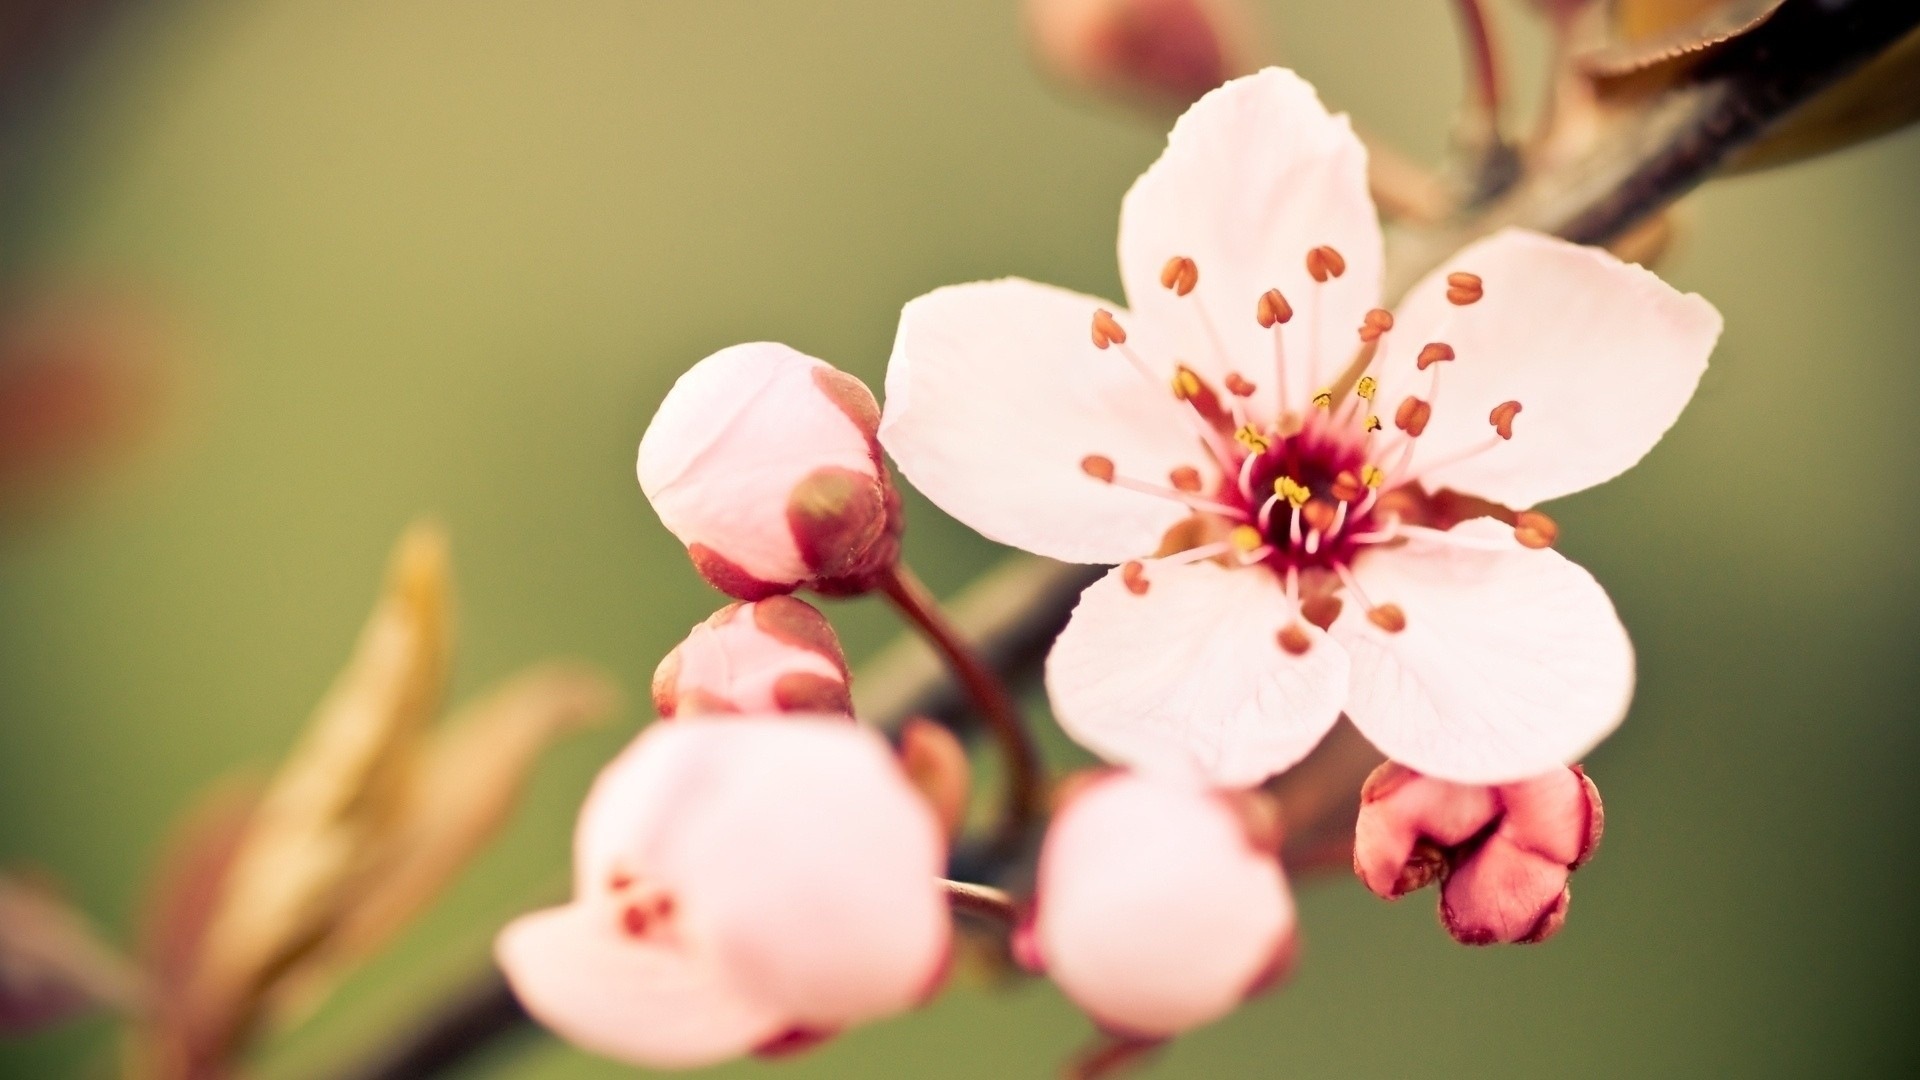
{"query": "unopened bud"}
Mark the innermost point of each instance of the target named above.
(1159, 51)
(764, 462)
(777, 655)
(1503, 853)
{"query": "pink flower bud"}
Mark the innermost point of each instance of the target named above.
(776, 655)
(741, 884)
(1155, 910)
(1503, 853)
(1170, 51)
(764, 462)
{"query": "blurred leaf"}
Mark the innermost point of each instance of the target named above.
(320, 839)
(1881, 97)
(53, 966)
(470, 781)
(175, 913)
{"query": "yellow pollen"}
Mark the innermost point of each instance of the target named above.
(1186, 385)
(1372, 424)
(1366, 387)
(1324, 399)
(1245, 538)
(1292, 490)
(1250, 437)
(1371, 476)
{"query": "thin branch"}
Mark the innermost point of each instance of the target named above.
(983, 902)
(1026, 785)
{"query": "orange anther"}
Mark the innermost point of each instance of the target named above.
(1324, 262)
(1378, 322)
(1502, 418)
(1180, 274)
(1134, 576)
(1185, 478)
(1432, 354)
(1238, 386)
(1320, 610)
(1293, 638)
(1098, 466)
(1347, 487)
(1412, 416)
(1272, 309)
(1464, 288)
(1534, 529)
(1106, 331)
(1388, 617)
(1317, 514)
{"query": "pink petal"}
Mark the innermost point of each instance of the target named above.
(1255, 175)
(1155, 913)
(995, 395)
(1504, 893)
(774, 655)
(1512, 661)
(1190, 674)
(641, 1003)
(811, 865)
(1602, 356)
(733, 439)
(1549, 815)
(1404, 808)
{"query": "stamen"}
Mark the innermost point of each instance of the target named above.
(1324, 263)
(1433, 353)
(1464, 288)
(1245, 538)
(1323, 399)
(1318, 514)
(1321, 610)
(1294, 640)
(1534, 529)
(1134, 577)
(1371, 424)
(1292, 490)
(1272, 311)
(1246, 473)
(1371, 475)
(1366, 388)
(1106, 330)
(1429, 467)
(1250, 437)
(1412, 416)
(1185, 478)
(1196, 554)
(1098, 466)
(1378, 322)
(1388, 617)
(1101, 469)
(1180, 274)
(1502, 418)
(1347, 487)
(1238, 386)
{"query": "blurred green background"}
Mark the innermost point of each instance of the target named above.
(445, 257)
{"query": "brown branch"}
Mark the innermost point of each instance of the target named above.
(1013, 613)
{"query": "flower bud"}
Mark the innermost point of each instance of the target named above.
(1503, 853)
(1168, 51)
(764, 462)
(1154, 909)
(777, 655)
(742, 885)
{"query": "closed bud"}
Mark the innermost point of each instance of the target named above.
(1502, 853)
(1162, 51)
(1159, 904)
(777, 655)
(764, 462)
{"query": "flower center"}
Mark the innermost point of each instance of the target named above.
(1304, 491)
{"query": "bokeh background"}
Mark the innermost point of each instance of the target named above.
(445, 256)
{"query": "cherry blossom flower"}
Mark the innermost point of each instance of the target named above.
(772, 655)
(1278, 464)
(741, 884)
(762, 460)
(1159, 905)
(1502, 853)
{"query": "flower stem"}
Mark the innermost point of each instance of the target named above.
(990, 696)
(982, 901)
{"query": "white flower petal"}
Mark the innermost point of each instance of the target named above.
(1512, 662)
(1191, 676)
(995, 394)
(1254, 175)
(1602, 356)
